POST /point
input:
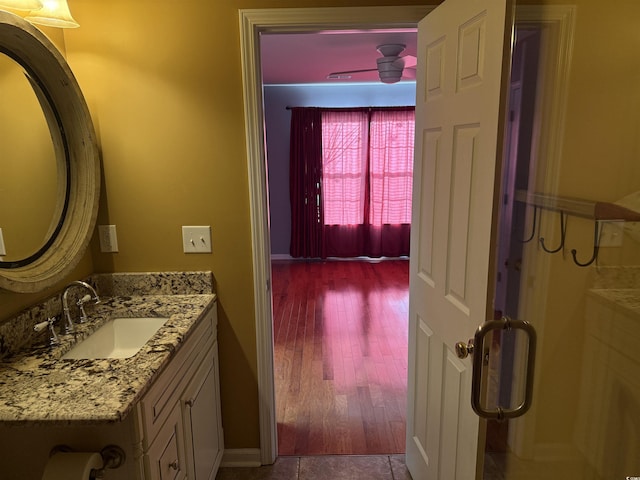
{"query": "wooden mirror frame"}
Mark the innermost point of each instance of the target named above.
(69, 112)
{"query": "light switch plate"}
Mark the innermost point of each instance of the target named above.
(3, 251)
(108, 238)
(611, 233)
(196, 239)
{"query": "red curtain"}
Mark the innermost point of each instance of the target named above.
(305, 189)
(364, 187)
(391, 136)
(367, 194)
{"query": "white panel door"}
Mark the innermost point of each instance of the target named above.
(460, 52)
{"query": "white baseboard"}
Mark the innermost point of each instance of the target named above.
(281, 256)
(241, 457)
(285, 256)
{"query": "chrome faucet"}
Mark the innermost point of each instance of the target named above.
(50, 323)
(68, 328)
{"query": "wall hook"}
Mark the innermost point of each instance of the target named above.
(596, 247)
(535, 221)
(563, 234)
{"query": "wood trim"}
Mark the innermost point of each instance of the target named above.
(261, 248)
(281, 256)
(578, 207)
(558, 24)
(241, 457)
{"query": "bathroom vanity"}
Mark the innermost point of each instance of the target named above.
(180, 414)
(610, 377)
(161, 405)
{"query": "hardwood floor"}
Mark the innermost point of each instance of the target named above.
(340, 335)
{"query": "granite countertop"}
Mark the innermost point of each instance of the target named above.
(38, 387)
(626, 300)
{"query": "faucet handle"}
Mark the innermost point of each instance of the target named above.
(80, 303)
(50, 322)
(83, 300)
(38, 327)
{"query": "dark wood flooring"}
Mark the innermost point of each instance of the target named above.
(340, 334)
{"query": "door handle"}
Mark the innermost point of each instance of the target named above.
(505, 323)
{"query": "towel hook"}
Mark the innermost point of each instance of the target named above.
(563, 234)
(596, 247)
(535, 221)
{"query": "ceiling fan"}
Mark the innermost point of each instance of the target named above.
(390, 66)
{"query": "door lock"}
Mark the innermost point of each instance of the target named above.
(463, 350)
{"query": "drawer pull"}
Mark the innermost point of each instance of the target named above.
(174, 465)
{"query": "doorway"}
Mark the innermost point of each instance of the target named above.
(254, 22)
(340, 362)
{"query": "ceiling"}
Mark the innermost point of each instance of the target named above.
(310, 57)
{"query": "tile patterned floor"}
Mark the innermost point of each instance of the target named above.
(334, 467)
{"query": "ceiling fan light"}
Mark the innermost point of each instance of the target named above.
(391, 49)
(390, 64)
(390, 77)
(54, 13)
(20, 4)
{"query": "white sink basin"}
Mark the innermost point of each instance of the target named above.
(118, 338)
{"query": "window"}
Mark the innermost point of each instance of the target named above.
(344, 164)
(367, 164)
(350, 175)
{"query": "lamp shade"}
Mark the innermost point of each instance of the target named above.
(53, 13)
(20, 4)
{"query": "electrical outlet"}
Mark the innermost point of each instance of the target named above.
(108, 238)
(196, 239)
(611, 233)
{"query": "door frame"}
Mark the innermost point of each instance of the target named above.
(557, 25)
(253, 22)
(560, 19)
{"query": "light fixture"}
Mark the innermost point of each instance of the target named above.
(21, 4)
(53, 13)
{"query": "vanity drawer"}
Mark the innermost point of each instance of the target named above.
(165, 458)
(167, 389)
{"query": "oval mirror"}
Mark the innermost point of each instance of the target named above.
(48, 152)
(32, 197)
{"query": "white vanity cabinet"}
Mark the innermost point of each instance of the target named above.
(179, 418)
(171, 431)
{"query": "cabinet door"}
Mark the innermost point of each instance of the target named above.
(202, 420)
(165, 457)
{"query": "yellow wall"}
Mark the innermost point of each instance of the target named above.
(163, 82)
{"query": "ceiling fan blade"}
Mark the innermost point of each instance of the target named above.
(409, 61)
(409, 74)
(353, 71)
